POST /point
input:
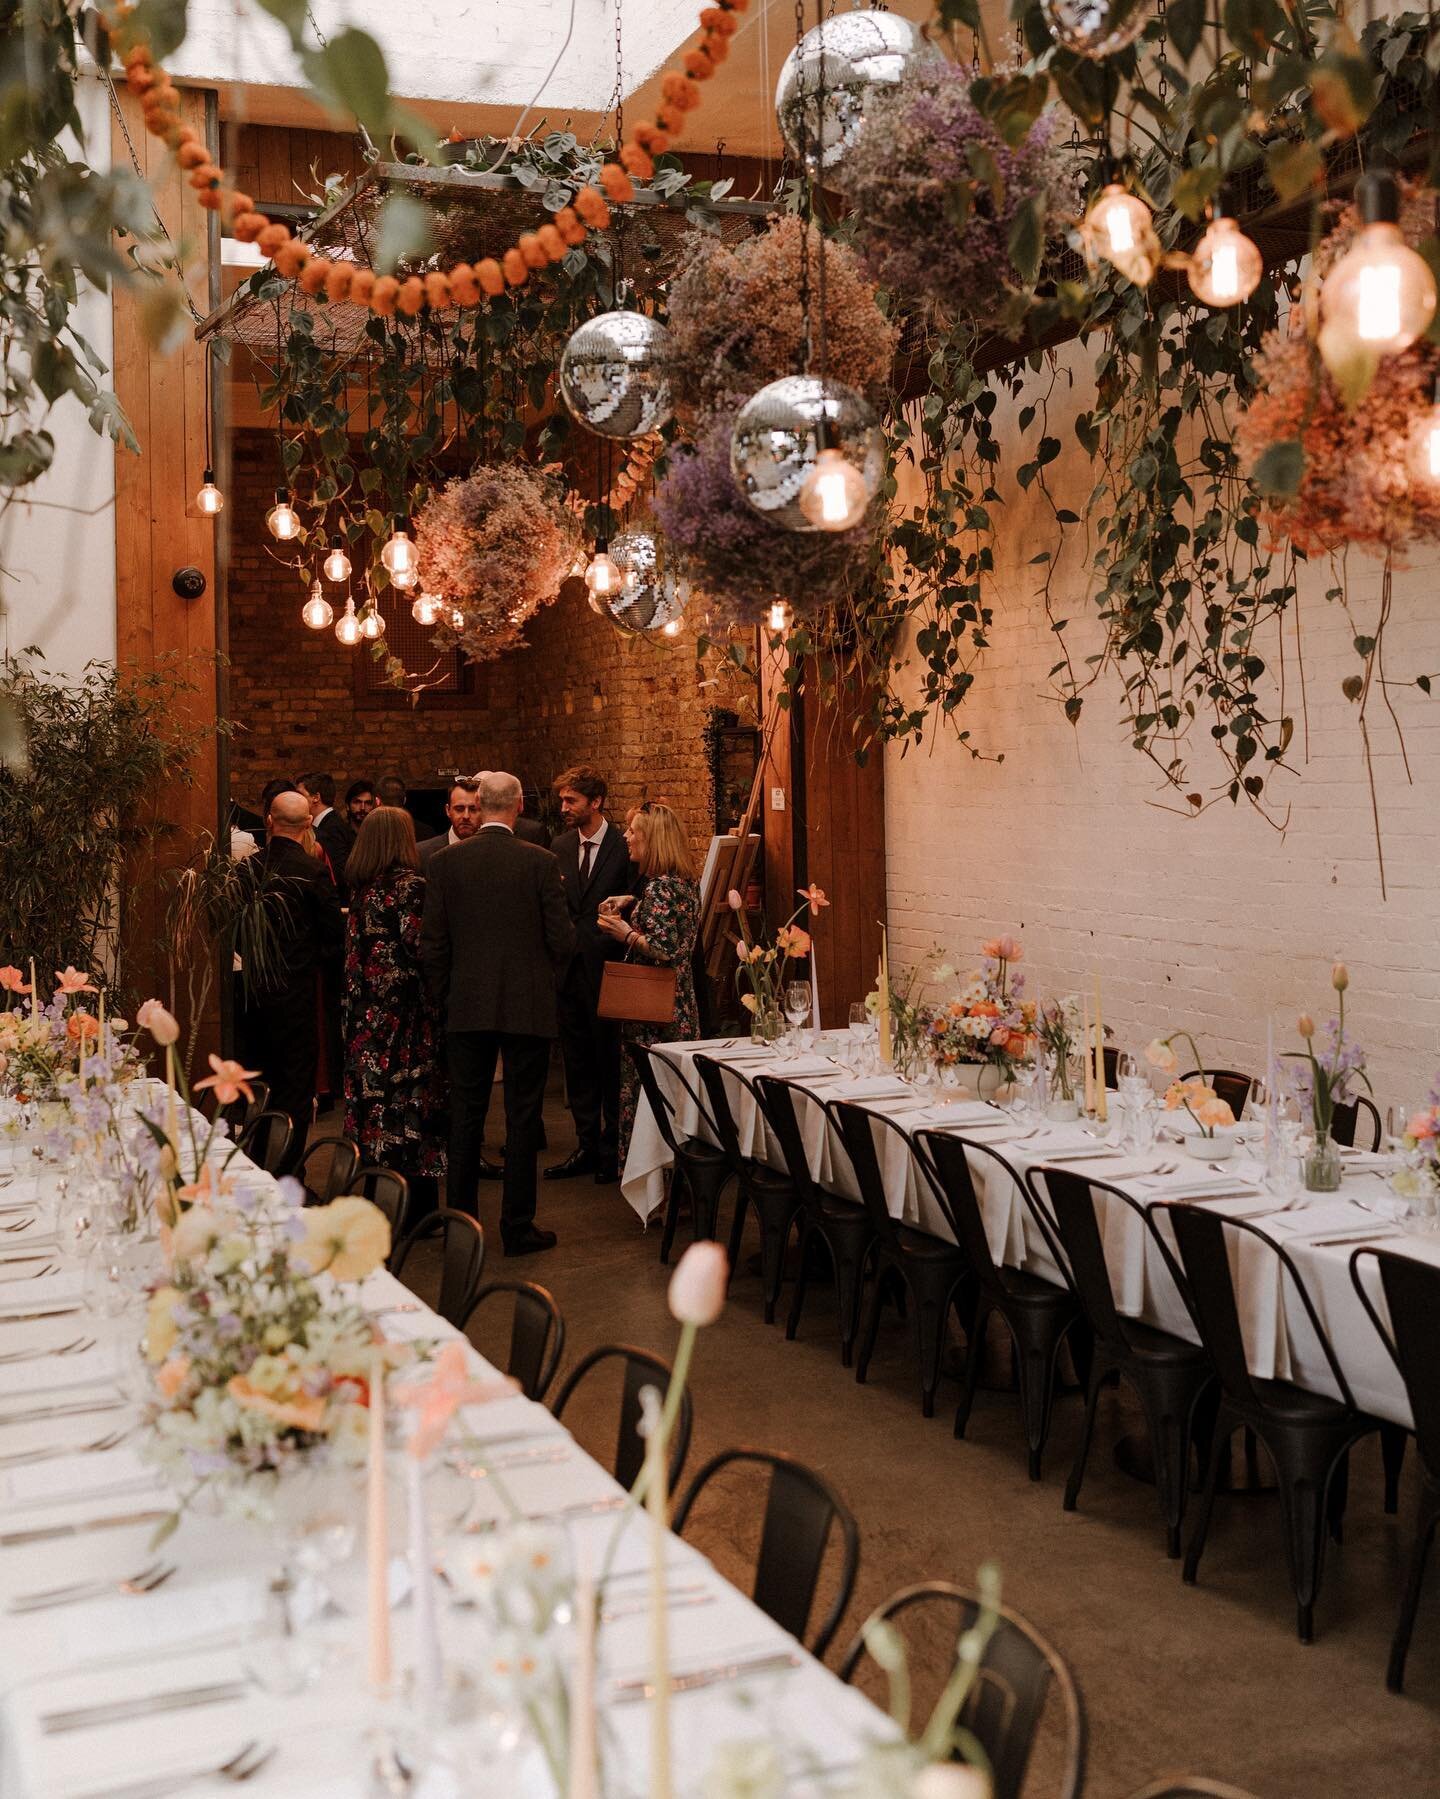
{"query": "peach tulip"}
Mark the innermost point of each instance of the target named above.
(230, 1080)
(161, 1024)
(1160, 1055)
(12, 981)
(70, 980)
(1339, 977)
(1305, 1024)
(734, 900)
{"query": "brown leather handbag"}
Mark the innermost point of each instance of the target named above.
(638, 993)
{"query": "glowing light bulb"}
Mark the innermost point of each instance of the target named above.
(337, 563)
(1380, 294)
(1118, 229)
(347, 626)
(672, 628)
(210, 500)
(778, 616)
(282, 521)
(400, 558)
(833, 495)
(317, 611)
(1226, 266)
(372, 626)
(426, 608)
(457, 620)
(602, 577)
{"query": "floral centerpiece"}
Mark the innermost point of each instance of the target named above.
(42, 1044)
(1421, 1175)
(1194, 1095)
(765, 966)
(1322, 1078)
(1059, 1033)
(987, 1024)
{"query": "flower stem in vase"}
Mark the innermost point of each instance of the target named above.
(377, 1538)
(1102, 1108)
(658, 1507)
(582, 1782)
(428, 1680)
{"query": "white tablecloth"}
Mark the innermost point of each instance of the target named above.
(193, 1630)
(1279, 1339)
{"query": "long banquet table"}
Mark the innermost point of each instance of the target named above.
(1280, 1341)
(194, 1629)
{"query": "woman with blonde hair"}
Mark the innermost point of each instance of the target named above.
(659, 927)
(394, 1096)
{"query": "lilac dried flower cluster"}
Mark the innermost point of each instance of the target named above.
(927, 220)
(496, 544)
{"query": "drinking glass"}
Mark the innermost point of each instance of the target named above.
(798, 1002)
(859, 1022)
(1023, 1102)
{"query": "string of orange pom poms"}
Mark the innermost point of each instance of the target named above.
(462, 285)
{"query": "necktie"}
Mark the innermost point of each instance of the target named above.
(586, 848)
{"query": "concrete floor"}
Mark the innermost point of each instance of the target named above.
(1209, 1679)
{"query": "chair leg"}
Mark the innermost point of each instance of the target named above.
(1336, 1498)
(672, 1212)
(802, 1277)
(1426, 1518)
(931, 1311)
(707, 1187)
(737, 1232)
(774, 1240)
(1037, 1394)
(1302, 1509)
(1098, 1378)
(849, 1285)
(1392, 1454)
(1219, 1452)
(870, 1329)
(974, 1356)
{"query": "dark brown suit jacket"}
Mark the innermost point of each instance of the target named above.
(496, 934)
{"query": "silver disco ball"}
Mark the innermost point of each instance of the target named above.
(650, 595)
(614, 375)
(1094, 28)
(776, 440)
(846, 56)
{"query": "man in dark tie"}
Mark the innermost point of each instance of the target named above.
(462, 808)
(495, 938)
(594, 865)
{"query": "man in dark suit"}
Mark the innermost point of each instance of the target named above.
(394, 792)
(462, 808)
(595, 865)
(303, 910)
(495, 937)
(335, 835)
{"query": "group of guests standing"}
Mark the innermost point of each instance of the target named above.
(463, 951)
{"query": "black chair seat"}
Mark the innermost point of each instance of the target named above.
(696, 1149)
(1297, 1406)
(765, 1179)
(843, 1211)
(1161, 1346)
(931, 1247)
(1024, 1289)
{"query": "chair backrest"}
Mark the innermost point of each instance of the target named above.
(1412, 1297)
(660, 1107)
(1006, 1702)
(777, 1107)
(1229, 1084)
(344, 1161)
(390, 1191)
(855, 1127)
(537, 1333)
(1190, 1786)
(1204, 1249)
(720, 1112)
(641, 1370)
(941, 1158)
(800, 1508)
(462, 1255)
(266, 1140)
(1071, 1199)
(1345, 1119)
(1110, 1053)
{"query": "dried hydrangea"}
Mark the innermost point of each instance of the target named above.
(497, 544)
(736, 320)
(929, 220)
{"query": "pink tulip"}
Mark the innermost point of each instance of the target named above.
(1339, 977)
(1010, 950)
(735, 900)
(1305, 1024)
(70, 980)
(161, 1024)
(697, 1287)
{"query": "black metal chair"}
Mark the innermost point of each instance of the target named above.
(1173, 1378)
(1039, 1315)
(537, 1333)
(462, 1255)
(1110, 1052)
(800, 1508)
(641, 1370)
(266, 1140)
(239, 1112)
(1190, 1786)
(700, 1170)
(1007, 1700)
(390, 1191)
(338, 1177)
(769, 1192)
(1412, 1296)
(936, 1275)
(1309, 1436)
(1345, 1120)
(839, 1228)
(1229, 1084)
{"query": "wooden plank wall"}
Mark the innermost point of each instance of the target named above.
(285, 166)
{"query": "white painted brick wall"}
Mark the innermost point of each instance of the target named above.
(1210, 923)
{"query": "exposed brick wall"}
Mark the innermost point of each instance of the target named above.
(1210, 923)
(579, 692)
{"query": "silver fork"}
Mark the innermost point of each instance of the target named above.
(35, 1273)
(244, 1765)
(25, 1457)
(76, 1346)
(133, 1586)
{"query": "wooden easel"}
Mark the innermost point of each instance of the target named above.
(718, 934)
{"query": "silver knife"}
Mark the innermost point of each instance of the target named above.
(643, 1687)
(120, 1711)
(47, 1533)
(29, 1317)
(77, 1408)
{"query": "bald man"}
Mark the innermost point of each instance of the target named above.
(304, 913)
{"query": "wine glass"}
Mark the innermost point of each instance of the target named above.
(798, 1002)
(859, 1021)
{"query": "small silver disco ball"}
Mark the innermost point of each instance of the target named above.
(650, 595)
(1094, 28)
(777, 439)
(614, 375)
(846, 56)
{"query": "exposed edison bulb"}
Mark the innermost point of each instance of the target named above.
(426, 608)
(1118, 229)
(372, 626)
(210, 500)
(457, 619)
(602, 577)
(282, 521)
(347, 626)
(1225, 267)
(317, 612)
(337, 563)
(833, 495)
(778, 617)
(672, 627)
(400, 558)
(1380, 294)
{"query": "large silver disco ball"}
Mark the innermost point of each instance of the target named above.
(614, 375)
(651, 595)
(1094, 28)
(777, 439)
(846, 56)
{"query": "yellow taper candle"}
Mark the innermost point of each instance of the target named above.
(1102, 1109)
(1089, 1053)
(377, 1536)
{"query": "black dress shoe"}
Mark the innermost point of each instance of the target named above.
(491, 1171)
(579, 1161)
(607, 1174)
(530, 1242)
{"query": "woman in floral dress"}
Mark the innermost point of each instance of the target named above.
(394, 1094)
(659, 928)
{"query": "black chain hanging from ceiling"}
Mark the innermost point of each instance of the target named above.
(806, 195)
